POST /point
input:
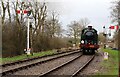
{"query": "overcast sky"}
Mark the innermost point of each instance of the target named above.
(97, 11)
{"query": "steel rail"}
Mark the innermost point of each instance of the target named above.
(33, 64)
(83, 66)
(44, 74)
(30, 59)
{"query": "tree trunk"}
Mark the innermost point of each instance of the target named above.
(4, 9)
(9, 11)
(119, 26)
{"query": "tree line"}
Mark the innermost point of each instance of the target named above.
(115, 15)
(46, 31)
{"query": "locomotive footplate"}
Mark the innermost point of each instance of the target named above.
(91, 46)
(84, 46)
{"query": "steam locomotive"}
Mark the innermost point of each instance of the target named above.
(89, 40)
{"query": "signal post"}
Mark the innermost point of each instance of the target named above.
(29, 28)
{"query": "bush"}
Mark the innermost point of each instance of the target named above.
(13, 40)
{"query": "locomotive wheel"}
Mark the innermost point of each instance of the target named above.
(93, 52)
(88, 52)
(84, 52)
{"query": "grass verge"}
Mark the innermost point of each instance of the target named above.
(22, 57)
(110, 66)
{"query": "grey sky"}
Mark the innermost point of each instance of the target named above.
(97, 11)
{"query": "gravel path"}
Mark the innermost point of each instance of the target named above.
(72, 67)
(94, 66)
(44, 67)
(33, 61)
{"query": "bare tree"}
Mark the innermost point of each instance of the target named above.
(19, 30)
(59, 30)
(84, 22)
(115, 14)
(9, 13)
(35, 11)
(43, 28)
(115, 38)
(15, 4)
(0, 10)
(115, 10)
(39, 13)
(119, 25)
(53, 26)
(4, 6)
(75, 30)
(101, 38)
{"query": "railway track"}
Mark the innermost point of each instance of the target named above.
(83, 66)
(30, 59)
(14, 67)
(58, 71)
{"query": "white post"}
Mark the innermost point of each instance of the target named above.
(28, 49)
(105, 55)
